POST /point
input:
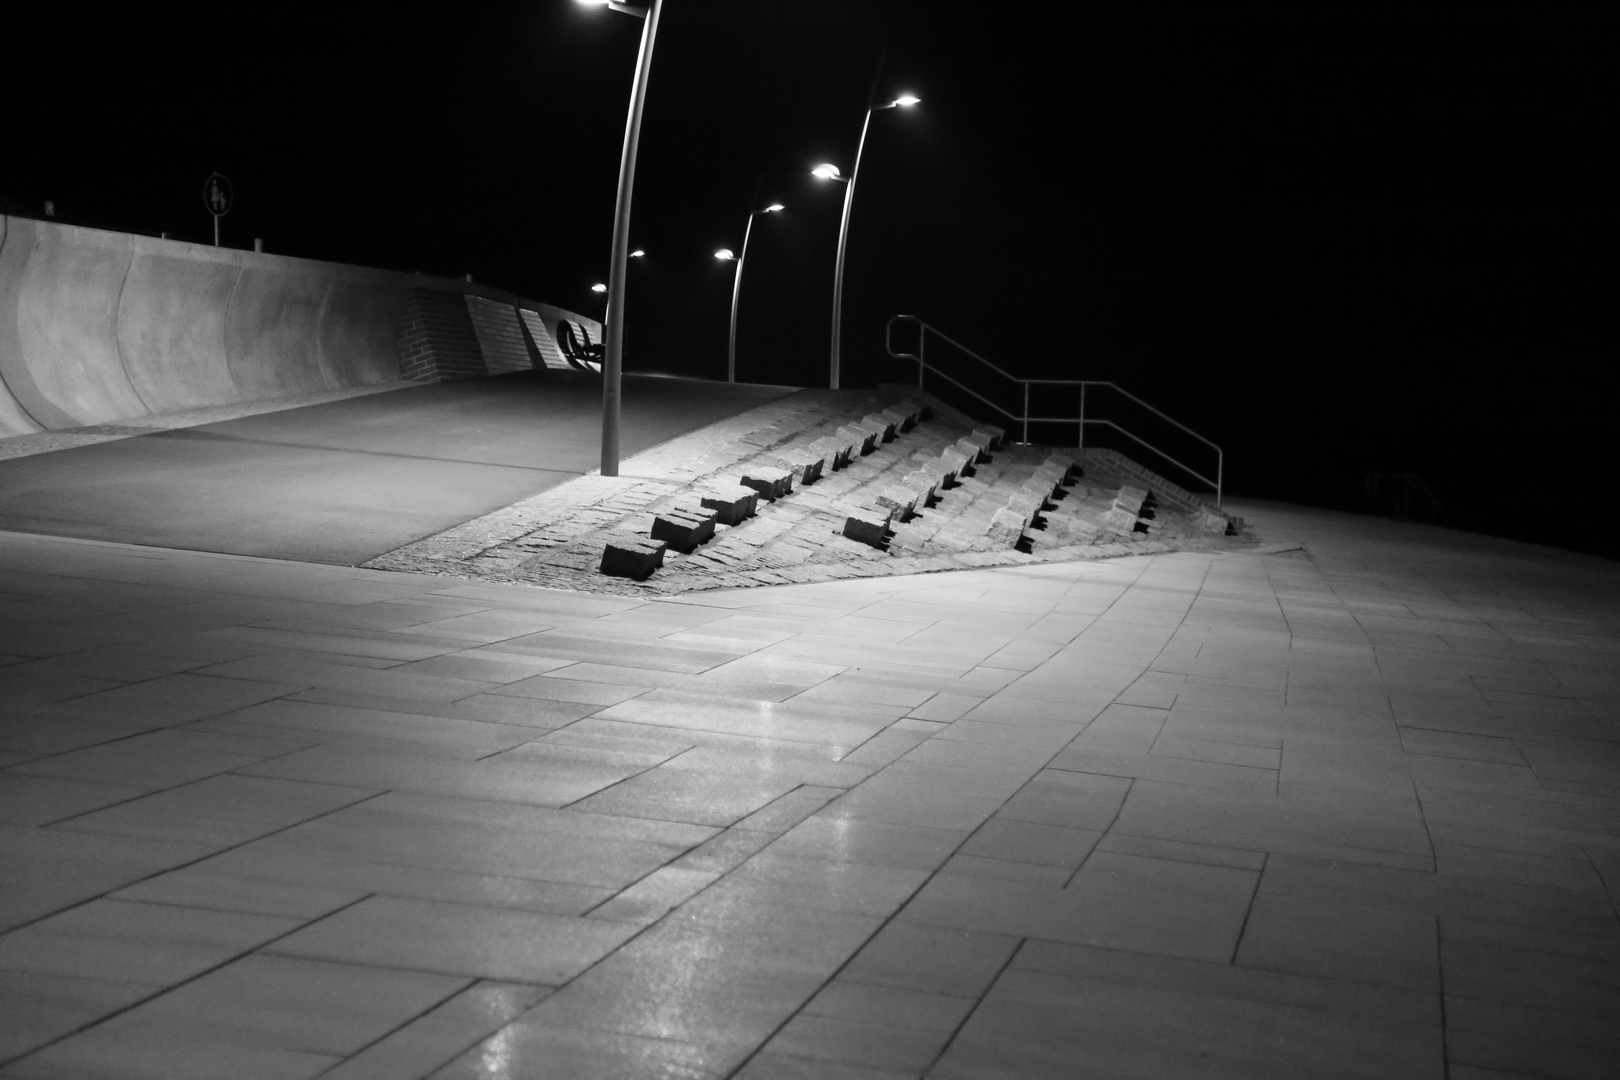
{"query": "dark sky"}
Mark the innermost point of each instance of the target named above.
(1336, 238)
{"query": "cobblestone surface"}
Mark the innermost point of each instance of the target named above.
(556, 538)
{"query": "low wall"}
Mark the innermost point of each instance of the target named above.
(100, 326)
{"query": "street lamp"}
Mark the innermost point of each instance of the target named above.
(830, 172)
(613, 353)
(725, 255)
(599, 287)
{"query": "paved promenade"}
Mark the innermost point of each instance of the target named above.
(1351, 810)
(344, 480)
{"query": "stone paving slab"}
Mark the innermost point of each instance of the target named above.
(1348, 809)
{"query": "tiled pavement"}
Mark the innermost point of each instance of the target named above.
(1351, 811)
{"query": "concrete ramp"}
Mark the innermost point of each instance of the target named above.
(348, 480)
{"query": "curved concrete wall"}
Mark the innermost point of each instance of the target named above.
(171, 326)
(100, 326)
(14, 419)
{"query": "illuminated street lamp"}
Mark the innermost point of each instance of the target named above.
(725, 255)
(599, 287)
(830, 172)
(613, 353)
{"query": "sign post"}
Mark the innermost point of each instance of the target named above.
(217, 197)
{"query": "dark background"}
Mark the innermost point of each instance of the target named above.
(1337, 239)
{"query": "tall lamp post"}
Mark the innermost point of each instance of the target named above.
(830, 172)
(613, 353)
(725, 255)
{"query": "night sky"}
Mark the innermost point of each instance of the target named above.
(1337, 239)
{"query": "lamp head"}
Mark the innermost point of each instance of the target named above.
(599, 288)
(906, 101)
(638, 253)
(825, 171)
(617, 5)
(773, 208)
(725, 255)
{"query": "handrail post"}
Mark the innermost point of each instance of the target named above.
(1080, 444)
(922, 348)
(1026, 413)
(1220, 476)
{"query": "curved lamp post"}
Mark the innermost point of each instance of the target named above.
(725, 255)
(830, 172)
(613, 353)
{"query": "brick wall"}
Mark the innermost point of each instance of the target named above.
(437, 339)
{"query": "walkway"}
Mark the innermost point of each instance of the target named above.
(348, 480)
(1351, 811)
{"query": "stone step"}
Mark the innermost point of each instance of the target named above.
(876, 490)
(833, 489)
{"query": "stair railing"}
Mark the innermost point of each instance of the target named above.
(1080, 420)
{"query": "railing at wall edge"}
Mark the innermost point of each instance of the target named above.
(1080, 420)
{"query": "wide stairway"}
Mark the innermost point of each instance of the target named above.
(826, 485)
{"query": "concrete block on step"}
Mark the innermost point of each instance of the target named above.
(1027, 504)
(900, 500)
(1130, 498)
(632, 556)
(972, 449)
(1007, 527)
(1055, 475)
(804, 463)
(992, 437)
(1071, 468)
(683, 529)
(1042, 488)
(859, 437)
(925, 482)
(955, 465)
(867, 524)
(901, 419)
(884, 426)
(731, 504)
(836, 452)
(769, 481)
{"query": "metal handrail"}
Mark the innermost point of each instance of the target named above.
(924, 329)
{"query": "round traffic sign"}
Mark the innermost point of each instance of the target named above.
(217, 195)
